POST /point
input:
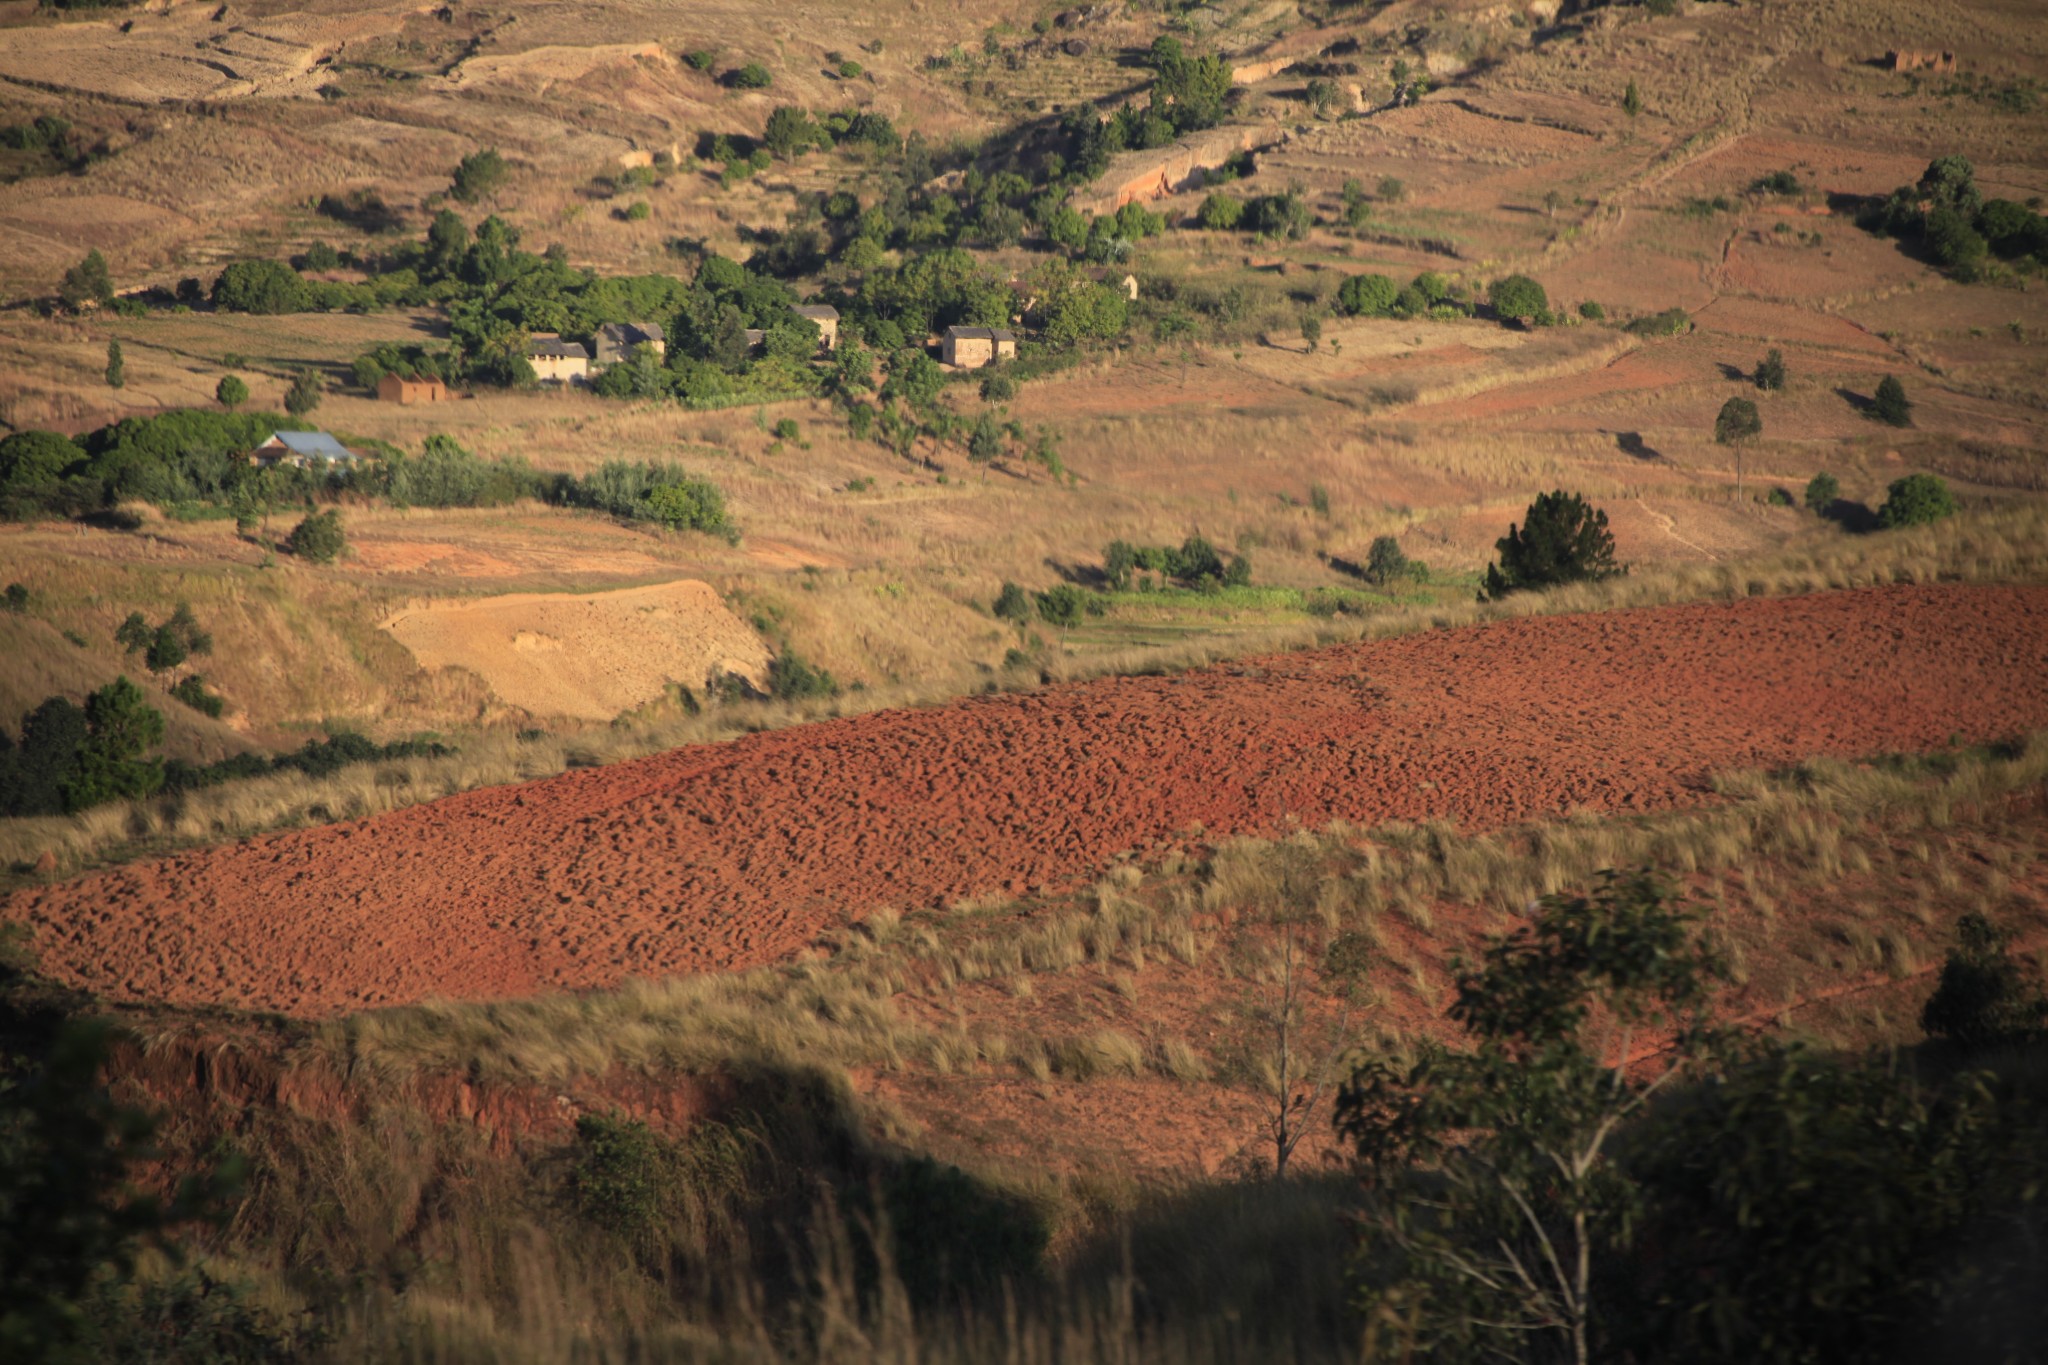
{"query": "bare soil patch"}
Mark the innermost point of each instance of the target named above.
(722, 856)
(588, 655)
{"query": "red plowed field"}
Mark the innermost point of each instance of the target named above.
(728, 855)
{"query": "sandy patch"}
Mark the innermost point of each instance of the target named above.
(589, 655)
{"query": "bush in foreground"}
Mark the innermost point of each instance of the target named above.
(319, 538)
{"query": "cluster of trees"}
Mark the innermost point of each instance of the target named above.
(1194, 563)
(167, 645)
(1282, 216)
(1946, 216)
(1189, 92)
(1377, 296)
(193, 456)
(69, 757)
(1554, 1190)
(315, 758)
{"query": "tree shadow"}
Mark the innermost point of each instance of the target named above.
(1632, 444)
(1850, 515)
(1733, 372)
(1080, 575)
(1350, 568)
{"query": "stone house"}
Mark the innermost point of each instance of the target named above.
(827, 319)
(970, 348)
(556, 361)
(398, 389)
(615, 342)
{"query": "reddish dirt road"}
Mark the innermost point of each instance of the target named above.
(730, 855)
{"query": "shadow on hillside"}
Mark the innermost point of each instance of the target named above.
(1632, 444)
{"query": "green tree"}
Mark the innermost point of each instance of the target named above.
(117, 369)
(689, 504)
(1518, 1130)
(134, 633)
(1119, 557)
(752, 76)
(1220, 212)
(231, 392)
(319, 538)
(985, 441)
(1916, 500)
(478, 176)
(36, 459)
(1737, 424)
(305, 392)
(87, 284)
(166, 650)
(121, 728)
(790, 132)
(1983, 995)
(1632, 100)
(790, 678)
(1770, 371)
(263, 287)
(1013, 604)
(1821, 491)
(1563, 539)
(1890, 406)
(1368, 296)
(1061, 605)
(1519, 298)
(1312, 330)
(1384, 561)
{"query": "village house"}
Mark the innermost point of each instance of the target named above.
(393, 388)
(616, 340)
(827, 319)
(556, 361)
(970, 348)
(302, 450)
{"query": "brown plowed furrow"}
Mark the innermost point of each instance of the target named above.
(741, 853)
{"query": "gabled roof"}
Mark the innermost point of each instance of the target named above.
(313, 444)
(981, 334)
(557, 348)
(817, 312)
(632, 333)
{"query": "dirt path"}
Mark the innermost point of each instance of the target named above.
(727, 855)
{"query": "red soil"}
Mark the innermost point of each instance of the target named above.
(728, 855)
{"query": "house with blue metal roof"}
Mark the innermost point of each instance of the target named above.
(303, 449)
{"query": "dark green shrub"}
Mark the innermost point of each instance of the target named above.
(1983, 995)
(1591, 311)
(1890, 404)
(1221, 212)
(1367, 295)
(790, 678)
(1563, 539)
(1519, 298)
(478, 175)
(1384, 561)
(1013, 604)
(192, 691)
(261, 287)
(15, 599)
(1916, 500)
(318, 539)
(231, 392)
(752, 76)
(1061, 605)
(1770, 371)
(1821, 491)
